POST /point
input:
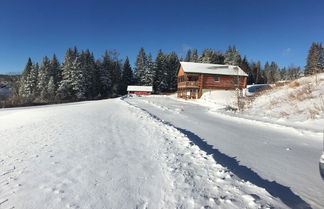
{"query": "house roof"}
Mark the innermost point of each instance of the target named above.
(140, 88)
(215, 69)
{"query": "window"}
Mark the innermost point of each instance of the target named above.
(216, 79)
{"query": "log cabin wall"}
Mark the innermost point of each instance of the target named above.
(222, 82)
(189, 89)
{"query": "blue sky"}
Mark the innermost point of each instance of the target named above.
(263, 30)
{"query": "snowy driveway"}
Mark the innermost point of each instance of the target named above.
(110, 154)
(280, 159)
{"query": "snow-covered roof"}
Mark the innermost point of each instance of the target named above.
(140, 88)
(216, 69)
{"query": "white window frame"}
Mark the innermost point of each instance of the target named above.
(218, 79)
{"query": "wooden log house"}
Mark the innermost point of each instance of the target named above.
(196, 78)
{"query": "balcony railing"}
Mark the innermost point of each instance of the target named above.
(188, 84)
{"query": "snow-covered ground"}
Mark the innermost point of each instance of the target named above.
(112, 154)
(281, 159)
(300, 103)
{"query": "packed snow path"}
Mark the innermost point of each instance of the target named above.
(110, 154)
(281, 159)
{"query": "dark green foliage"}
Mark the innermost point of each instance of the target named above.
(127, 76)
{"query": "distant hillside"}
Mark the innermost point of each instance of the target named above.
(299, 100)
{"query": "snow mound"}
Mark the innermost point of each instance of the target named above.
(298, 101)
(219, 98)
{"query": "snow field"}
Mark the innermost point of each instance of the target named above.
(109, 154)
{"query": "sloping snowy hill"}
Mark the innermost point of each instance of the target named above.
(110, 154)
(301, 102)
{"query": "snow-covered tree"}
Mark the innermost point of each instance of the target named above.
(194, 56)
(315, 59)
(140, 67)
(28, 82)
(160, 83)
(188, 56)
(43, 79)
(65, 90)
(149, 71)
(232, 56)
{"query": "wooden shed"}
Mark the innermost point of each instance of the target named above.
(196, 78)
(140, 90)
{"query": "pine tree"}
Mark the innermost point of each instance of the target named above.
(116, 78)
(208, 56)
(140, 67)
(194, 56)
(43, 79)
(105, 77)
(232, 56)
(127, 76)
(55, 72)
(172, 65)
(65, 90)
(149, 71)
(160, 73)
(28, 82)
(188, 56)
(314, 59)
(283, 74)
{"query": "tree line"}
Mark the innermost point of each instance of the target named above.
(81, 76)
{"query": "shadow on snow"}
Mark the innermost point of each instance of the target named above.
(285, 194)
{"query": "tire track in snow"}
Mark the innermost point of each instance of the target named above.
(196, 179)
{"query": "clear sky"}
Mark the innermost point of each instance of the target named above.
(278, 30)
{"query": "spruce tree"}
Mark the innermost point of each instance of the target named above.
(140, 67)
(160, 73)
(127, 76)
(232, 56)
(313, 59)
(43, 79)
(188, 56)
(172, 65)
(55, 72)
(65, 90)
(149, 71)
(194, 56)
(105, 77)
(28, 82)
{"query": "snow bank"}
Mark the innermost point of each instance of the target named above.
(301, 101)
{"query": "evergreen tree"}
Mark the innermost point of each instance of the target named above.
(149, 71)
(160, 73)
(283, 74)
(28, 82)
(293, 73)
(188, 56)
(208, 56)
(116, 78)
(127, 76)
(315, 59)
(105, 76)
(55, 72)
(194, 56)
(172, 65)
(65, 90)
(232, 56)
(140, 67)
(43, 79)
(220, 58)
